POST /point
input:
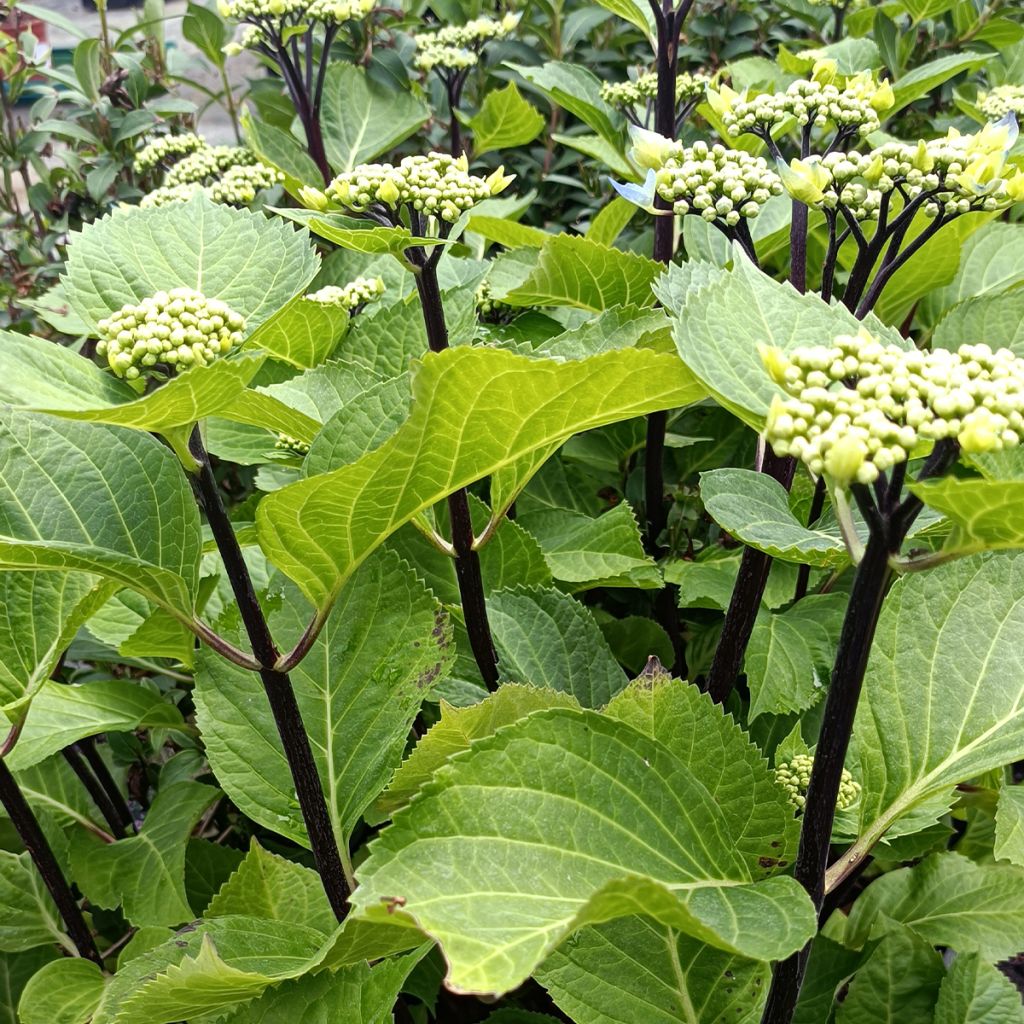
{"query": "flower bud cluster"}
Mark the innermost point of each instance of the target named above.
(1002, 100)
(437, 185)
(852, 108)
(238, 185)
(333, 12)
(794, 776)
(251, 37)
(858, 407)
(291, 445)
(850, 5)
(208, 162)
(459, 46)
(645, 87)
(716, 182)
(490, 308)
(165, 149)
(175, 330)
(353, 296)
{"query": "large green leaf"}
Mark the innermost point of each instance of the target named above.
(576, 271)
(898, 983)
(457, 728)
(40, 613)
(16, 970)
(44, 377)
(221, 963)
(790, 654)
(304, 332)
(985, 514)
(728, 314)
(145, 872)
(359, 689)
(77, 496)
(578, 90)
(754, 508)
(943, 697)
(949, 900)
(1009, 839)
(362, 120)
(975, 992)
(252, 262)
(65, 991)
(919, 82)
(268, 886)
(997, 320)
(547, 638)
(609, 822)
(280, 149)
(358, 994)
(318, 530)
(587, 552)
(504, 120)
(61, 715)
(635, 969)
(28, 916)
(990, 264)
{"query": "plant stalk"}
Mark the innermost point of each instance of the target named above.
(277, 684)
(746, 597)
(100, 797)
(467, 559)
(27, 826)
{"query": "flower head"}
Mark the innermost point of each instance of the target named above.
(454, 47)
(856, 407)
(352, 296)
(171, 330)
(165, 149)
(794, 776)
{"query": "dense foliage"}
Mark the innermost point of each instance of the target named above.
(530, 530)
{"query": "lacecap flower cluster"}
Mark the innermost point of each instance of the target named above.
(857, 407)
(458, 46)
(1002, 100)
(958, 173)
(173, 330)
(645, 87)
(165, 149)
(436, 185)
(352, 296)
(852, 106)
(794, 776)
(329, 11)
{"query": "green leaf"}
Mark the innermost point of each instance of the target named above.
(1009, 842)
(635, 13)
(361, 120)
(942, 698)
(997, 319)
(602, 552)
(28, 917)
(359, 994)
(547, 638)
(617, 818)
(303, 333)
(505, 120)
(318, 530)
(223, 962)
(61, 715)
(726, 317)
(928, 76)
(635, 969)
(509, 233)
(611, 221)
(358, 235)
(268, 886)
(975, 992)
(16, 970)
(40, 613)
(457, 728)
(206, 31)
(385, 642)
(948, 900)
(990, 264)
(77, 496)
(576, 271)
(282, 150)
(65, 991)
(986, 514)
(577, 90)
(146, 872)
(790, 654)
(898, 983)
(754, 508)
(252, 262)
